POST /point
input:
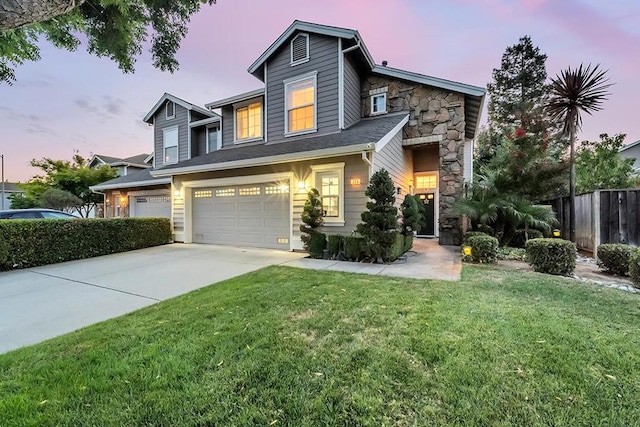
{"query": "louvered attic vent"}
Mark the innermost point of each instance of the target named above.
(300, 49)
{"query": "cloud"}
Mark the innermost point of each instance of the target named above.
(113, 106)
(86, 104)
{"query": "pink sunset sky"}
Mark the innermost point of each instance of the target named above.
(74, 101)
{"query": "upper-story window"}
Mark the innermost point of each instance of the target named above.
(379, 103)
(300, 49)
(170, 145)
(170, 110)
(248, 121)
(213, 135)
(300, 104)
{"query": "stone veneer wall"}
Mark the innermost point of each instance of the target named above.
(438, 114)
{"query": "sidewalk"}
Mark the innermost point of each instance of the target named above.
(426, 260)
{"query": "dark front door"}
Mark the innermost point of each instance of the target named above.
(429, 202)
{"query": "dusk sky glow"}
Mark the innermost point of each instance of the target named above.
(75, 101)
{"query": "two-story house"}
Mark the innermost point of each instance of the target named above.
(123, 166)
(325, 117)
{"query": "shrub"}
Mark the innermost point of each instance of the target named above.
(397, 249)
(509, 253)
(520, 237)
(634, 267)
(312, 218)
(334, 244)
(412, 218)
(484, 249)
(552, 256)
(353, 248)
(380, 220)
(614, 257)
(408, 242)
(317, 244)
(30, 243)
(469, 234)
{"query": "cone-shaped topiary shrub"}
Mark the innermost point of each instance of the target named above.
(312, 219)
(411, 217)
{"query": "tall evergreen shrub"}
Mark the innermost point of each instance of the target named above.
(313, 220)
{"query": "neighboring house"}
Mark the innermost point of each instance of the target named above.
(9, 189)
(327, 117)
(632, 151)
(123, 166)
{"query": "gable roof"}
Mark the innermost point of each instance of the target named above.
(309, 27)
(626, 147)
(11, 187)
(137, 160)
(107, 160)
(181, 102)
(140, 178)
(362, 136)
(237, 98)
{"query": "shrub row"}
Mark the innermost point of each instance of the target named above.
(29, 243)
(552, 256)
(354, 248)
(614, 258)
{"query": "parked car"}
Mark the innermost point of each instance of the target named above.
(35, 214)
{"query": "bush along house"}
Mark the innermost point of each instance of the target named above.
(237, 172)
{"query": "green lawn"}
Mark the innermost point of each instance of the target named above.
(285, 346)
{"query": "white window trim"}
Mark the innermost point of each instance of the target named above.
(219, 138)
(312, 75)
(377, 113)
(164, 144)
(166, 110)
(236, 107)
(331, 167)
(300, 61)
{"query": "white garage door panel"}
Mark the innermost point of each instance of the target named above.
(249, 217)
(151, 206)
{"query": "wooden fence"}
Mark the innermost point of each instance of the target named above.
(604, 216)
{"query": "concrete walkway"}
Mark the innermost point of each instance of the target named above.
(427, 260)
(43, 302)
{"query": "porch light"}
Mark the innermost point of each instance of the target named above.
(123, 200)
(466, 250)
(301, 187)
(176, 193)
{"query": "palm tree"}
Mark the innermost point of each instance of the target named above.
(575, 91)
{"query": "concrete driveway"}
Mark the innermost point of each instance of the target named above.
(43, 302)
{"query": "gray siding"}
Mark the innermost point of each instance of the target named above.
(398, 162)
(161, 123)
(199, 142)
(227, 126)
(632, 153)
(352, 101)
(323, 58)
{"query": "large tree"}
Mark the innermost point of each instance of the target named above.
(600, 166)
(573, 92)
(116, 29)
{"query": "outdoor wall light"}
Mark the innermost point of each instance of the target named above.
(398, 190)
(176, 193)
(123, 200)
(301, 187)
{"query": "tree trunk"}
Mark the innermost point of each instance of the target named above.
(572, 188)
(17, 13)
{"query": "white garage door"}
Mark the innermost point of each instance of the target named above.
(256, 215)
(151, 207)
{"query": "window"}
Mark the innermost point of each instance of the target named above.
(249, 191)
(249, 121)
(379, 103)
(300, 100)
(212, 139)
(202, 194)
(170, 145)
(300, 49)
(276, 189)
(426, 181)
(329, 181)
(226, 192)
(170, 112)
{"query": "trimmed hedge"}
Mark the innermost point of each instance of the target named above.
(34, 242)
(335, 243)
(317, 243)
(484, 249)
(397, 249)
(519, 239)
(470, 234)
(408, 242)
(353, 248)
(614, 258)
(552, 256)
(634, 267)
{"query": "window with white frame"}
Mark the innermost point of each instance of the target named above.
(212, 139)
(329, 181)
(249, 121)
(379, 103)
(300, 104)
(170, 110)
(426, 181)
(170, 145)
(300, 49)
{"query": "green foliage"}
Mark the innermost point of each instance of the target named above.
(408, 242)
(398, 247)
(519, 239)
(30, 243)
(412, 218)
(515, 254)
(311, 217)
(116, 29)
(380, 221)
(599, 165)
(484, 249)
(552, 256)
(20, 201)
(353, 248)
(335, 244)
(317, 244)
(634, 267)
(614, 257)
(55, 198)
(470, 234)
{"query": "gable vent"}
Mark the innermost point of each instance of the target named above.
(300, 49)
